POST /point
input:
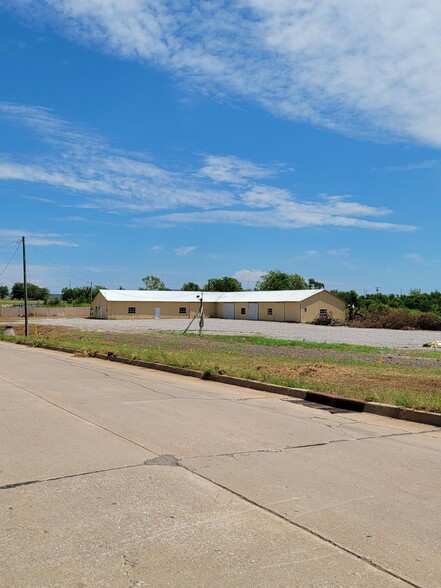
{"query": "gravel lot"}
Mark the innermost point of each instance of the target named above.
(295, 331)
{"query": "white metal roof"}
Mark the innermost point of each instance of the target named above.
(180, 296)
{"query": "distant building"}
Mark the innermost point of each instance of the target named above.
(298, 306)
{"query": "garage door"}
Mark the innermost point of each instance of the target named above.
(253, 311)
(228, 310)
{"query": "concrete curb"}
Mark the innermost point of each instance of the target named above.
(331, 400)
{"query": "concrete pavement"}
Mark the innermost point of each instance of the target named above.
(268, 492)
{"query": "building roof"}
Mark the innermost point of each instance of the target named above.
(180, 296)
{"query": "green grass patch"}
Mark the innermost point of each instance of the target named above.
(269, 342)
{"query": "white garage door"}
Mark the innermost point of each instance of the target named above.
(253, 311)
(228, 310)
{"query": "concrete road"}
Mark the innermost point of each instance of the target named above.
(116, 476)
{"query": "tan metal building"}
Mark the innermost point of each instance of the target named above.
(298, 306)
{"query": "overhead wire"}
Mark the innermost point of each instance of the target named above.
(9, 262)
(11, 243)
(69, 273)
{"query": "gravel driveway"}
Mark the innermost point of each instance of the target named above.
(295, 331)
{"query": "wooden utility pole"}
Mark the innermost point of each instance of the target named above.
(25, 286)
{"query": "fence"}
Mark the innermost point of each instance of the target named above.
(43, 311)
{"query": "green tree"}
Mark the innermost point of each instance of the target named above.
(80, 295)
(352, 300)
(277, 280)
(313, 284)
(4, 292)
(153, 283)
(190, 287)
(34, 292)
(224, 284)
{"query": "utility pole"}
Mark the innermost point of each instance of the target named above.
(25, 286)
(201, 310)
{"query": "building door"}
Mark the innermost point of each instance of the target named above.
(253, 311)
(157, 312)
(228, 310)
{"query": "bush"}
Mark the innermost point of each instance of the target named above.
(428, 322)
(397, 319)
(326, 319)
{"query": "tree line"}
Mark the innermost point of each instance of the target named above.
(358, 306)
(72, 296)
(272, 280)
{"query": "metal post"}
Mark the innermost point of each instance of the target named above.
(25, 286)
(201, 320)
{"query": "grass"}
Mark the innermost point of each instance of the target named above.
(269, 342)
(341, 374)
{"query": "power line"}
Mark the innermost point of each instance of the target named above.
(10, 243)
(58, 265)
(13, 255)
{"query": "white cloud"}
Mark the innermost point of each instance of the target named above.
(83, 162)
(184, 251)
(357, 67)
(290, 213)
(37, 239)
(248, 278)
(95, 175)
(157, 248)
(234, 170)
(340, 252)
(415, 258)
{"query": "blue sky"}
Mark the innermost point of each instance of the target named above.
(192, 140)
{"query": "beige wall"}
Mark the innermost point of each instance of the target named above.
(99, 302)
(311, 307)
(292, 312)
(119, 310)
(277, 311)
(238, 311)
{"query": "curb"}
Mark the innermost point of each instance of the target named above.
(331, 400)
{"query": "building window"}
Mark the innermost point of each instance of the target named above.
(182, 310)
(132, 310)
(269, 311)
(242, 311)
(323, 312)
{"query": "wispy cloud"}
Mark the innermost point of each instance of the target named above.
(184, 251)
(289, 213)
(90, 174)
(38, 239)
(428, 164)
(415, 258)
(340, 252)
(234, 170)
(82, 162)
(157, 248)
(357, 67)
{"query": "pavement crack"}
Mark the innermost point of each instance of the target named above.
(13, 485)
(233, 454)
(308, 530)
(128, 565)
(74, 414)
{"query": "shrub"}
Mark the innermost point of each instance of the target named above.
(397, 319)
